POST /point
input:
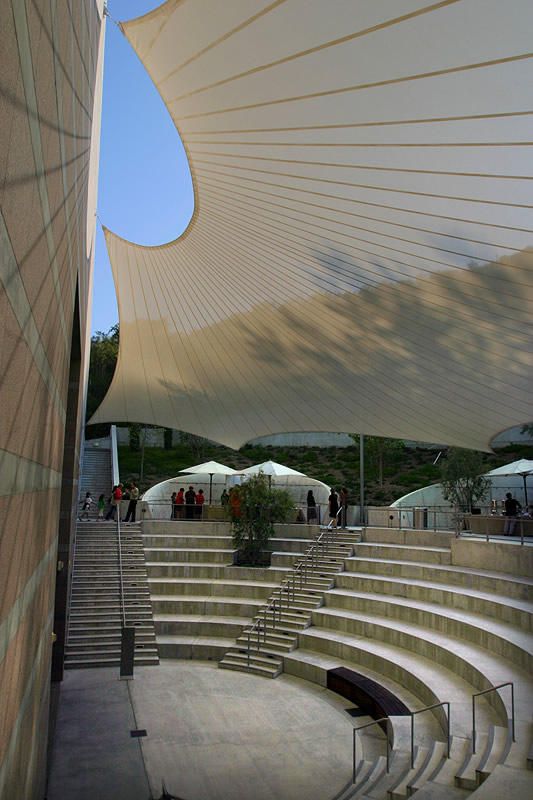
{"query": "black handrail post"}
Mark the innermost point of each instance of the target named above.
(386, 720)
(127, 652)
(488, 691)
(419, 711)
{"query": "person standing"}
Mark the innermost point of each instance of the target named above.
(180, 503)
(333, 507)
(343, 496)
(173, 507)
(132, 505)
(101, 507)
(190, 502)
(311, 508)
(86, 507)
(511, 509)
(200, 500)
(235, 502)
(116, 497)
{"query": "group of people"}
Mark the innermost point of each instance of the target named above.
(187, 504)
(336, 503)
(118, 494)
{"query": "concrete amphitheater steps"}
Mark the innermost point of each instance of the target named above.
(407, 552)
(201, 601)
(500, 638)
(274, 631)
(404, 614)
(480, 580)
(499, 606)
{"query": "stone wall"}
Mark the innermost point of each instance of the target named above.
(48, 99)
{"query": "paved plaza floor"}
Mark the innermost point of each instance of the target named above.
(211, 734)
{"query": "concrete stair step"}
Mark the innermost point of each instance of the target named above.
(480, 580)
(202, 554)
(209, 571)
(504, 782)
(186, 541)
(508, 609)
(399, 789)
(292, 614)
(368, 773)
(114, 637)
(426, 555)
(436, 757)
(206, 606)
(445, 772)
(194, 624)
(274, 645)
(183, 587)
(87, 662)
(113, 629)
(483, 642)
(256, 657)
(206, 648)
(466, 775)
(254, 669)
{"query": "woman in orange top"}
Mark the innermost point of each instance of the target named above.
(200, 500)
(235, 503)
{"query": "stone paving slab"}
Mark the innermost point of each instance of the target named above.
(211, 735)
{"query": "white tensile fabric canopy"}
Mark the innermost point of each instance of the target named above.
(361, 252)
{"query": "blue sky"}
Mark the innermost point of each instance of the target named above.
(145, 191)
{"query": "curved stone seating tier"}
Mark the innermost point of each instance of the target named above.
(503, 607)
(201, 600)
(430, 631)
(402, 612)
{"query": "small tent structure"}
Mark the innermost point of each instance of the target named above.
(158, 498)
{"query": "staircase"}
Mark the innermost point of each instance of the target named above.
(96, 475)
(95, 619)
(261, 647)
(404, 615)
(201, 600)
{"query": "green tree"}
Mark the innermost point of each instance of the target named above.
(167, 438)
(135, 437)
(380, 453)
(461, 478)
(197, 444)
(104, 354)
(260, 507)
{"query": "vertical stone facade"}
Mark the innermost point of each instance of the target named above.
(50, 90)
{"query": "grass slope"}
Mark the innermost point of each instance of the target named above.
(407, 470)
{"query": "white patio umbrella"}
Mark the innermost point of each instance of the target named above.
(522, 467)
(210, 468)
(270, 468)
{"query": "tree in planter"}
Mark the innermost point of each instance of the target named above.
(259, 508)
(462, 482)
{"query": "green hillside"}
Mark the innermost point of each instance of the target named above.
(404, 469)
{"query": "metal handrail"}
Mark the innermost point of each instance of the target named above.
(368, 725)
(419, 711)
(120, 577)
(285, 586)
(487, 691)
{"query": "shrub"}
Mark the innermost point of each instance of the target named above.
(259, 508)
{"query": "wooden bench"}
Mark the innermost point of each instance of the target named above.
(368, 695)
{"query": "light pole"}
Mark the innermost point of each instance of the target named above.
(362, 478)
